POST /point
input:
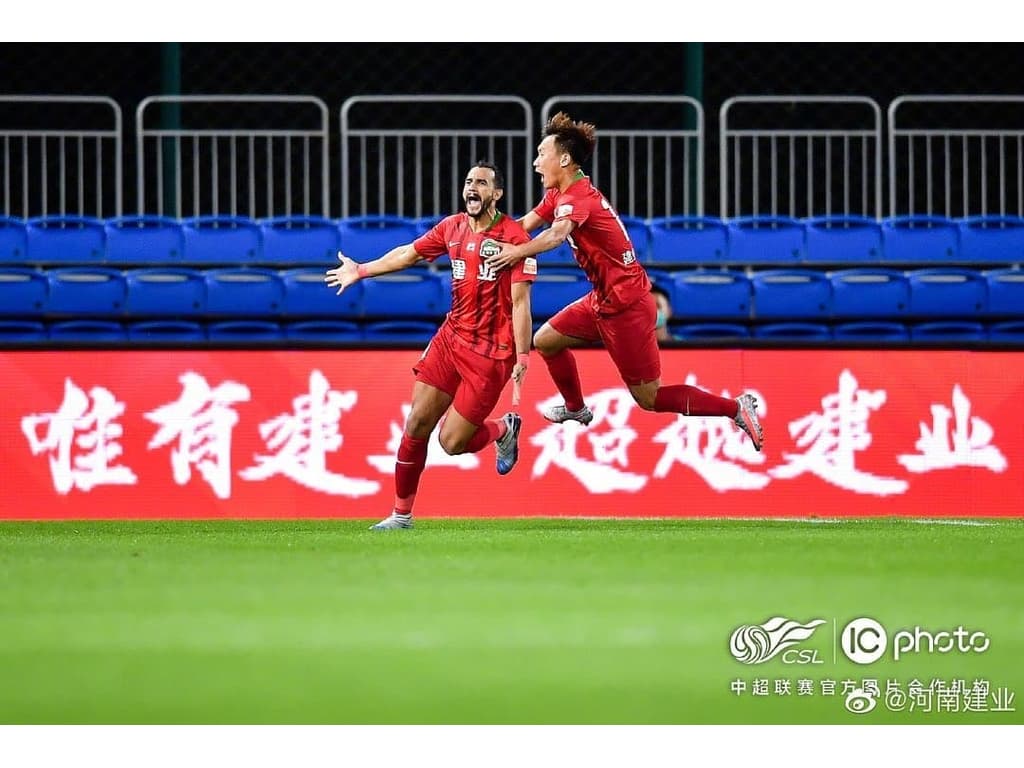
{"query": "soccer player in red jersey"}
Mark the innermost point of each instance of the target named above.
(483, 342)
(619, 311)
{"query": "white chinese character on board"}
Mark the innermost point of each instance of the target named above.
(81, 440)
(713, 447)
(832, 438)
(560, 444)
(436, 455)
(201, 421)
(967, 443)
(303, 438)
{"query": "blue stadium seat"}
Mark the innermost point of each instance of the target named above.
(843, 240)
(324, 331)
(1005, 292)
(243, 292)
(307, 295)
(88, 331)
(169, 331)
(165, 292)
(639, 235)
(992, 240)
(792, 294)
(693, 331)
(920, 240)
(222, 240)
(13, 241)
(23, 291)
(793, 332)
(690, 240)
(948, 331)
(93, 291)
(425, 223)
(300, 240)
(22, 332)
(765, 240)
(1009, 331)
(947, 292)
(244, 331)
(156, 240)
(411, 293)
(715, 295)
(556, 288)
(869, 292)
(365, 238)
(400, 331)
(66, 240)
(871, 330)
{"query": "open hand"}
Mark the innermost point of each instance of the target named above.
(343, 275)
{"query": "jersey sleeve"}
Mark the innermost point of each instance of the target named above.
(572, 208)
(526, 270)
(434, 243)
(546, 207)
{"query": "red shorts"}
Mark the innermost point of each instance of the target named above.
(628, 335)
(475, 382)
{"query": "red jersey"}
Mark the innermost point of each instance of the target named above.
(481, 313)
(600, 244)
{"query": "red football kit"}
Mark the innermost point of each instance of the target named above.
(619, 311)
(473, 352)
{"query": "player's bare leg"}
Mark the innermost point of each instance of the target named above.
(555, 351)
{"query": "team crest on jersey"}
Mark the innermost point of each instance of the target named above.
(529, 266)
(563, 210)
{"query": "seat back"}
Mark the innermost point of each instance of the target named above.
(166, 331)
(765, 240)
(222, 240)
(688, 240)
(300, 240)
(251, 292)
(65, 240)
(408, 294)
(843, 240)
(13, 241)
(165, 292)
(555, 289)
(947, 292)
(399, 332)
(92, 291)
(869, 292)
(364, 238)
(720, 295)
(324, 331)
(992, 240)
(920, 240)
(23, 291)
(791, 293)
(138, 240)
(1005, 292)
(307, 295)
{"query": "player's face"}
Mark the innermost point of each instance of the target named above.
(548, 162)
(479, 193)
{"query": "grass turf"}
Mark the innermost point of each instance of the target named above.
(510, 621)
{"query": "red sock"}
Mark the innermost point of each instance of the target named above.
(691, 401)
(412, 457)
(489, 432)
(562, 367)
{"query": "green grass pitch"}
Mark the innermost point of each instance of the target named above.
(500, 621)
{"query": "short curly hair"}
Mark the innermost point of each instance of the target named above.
(575, 137)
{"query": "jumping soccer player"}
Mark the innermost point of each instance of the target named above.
(619, 311)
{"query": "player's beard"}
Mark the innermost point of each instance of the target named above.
(482, 208)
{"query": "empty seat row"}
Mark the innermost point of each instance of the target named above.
(671, 240)
(153, 292)
(244, 331)
(862, 293)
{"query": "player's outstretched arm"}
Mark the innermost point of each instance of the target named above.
(530, 221)
(349, 271)
(550, 238)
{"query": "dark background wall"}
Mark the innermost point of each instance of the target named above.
(712, 72)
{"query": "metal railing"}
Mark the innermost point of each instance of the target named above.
(956, 162)
(649, 158)
(780, 167)
(50, 168)
(389, 167)
(268, 152)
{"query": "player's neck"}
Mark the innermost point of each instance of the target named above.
(486, 220)
(569, 178)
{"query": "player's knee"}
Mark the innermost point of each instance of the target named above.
(545, 341)
(644, 398)
(453, 445)
(419, 427)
